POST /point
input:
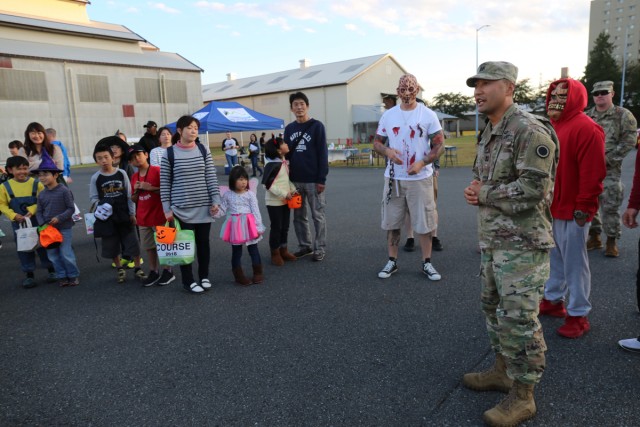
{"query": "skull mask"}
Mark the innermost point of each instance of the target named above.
(408, 88)
(557, 101)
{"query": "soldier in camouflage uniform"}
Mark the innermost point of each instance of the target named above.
(512, 187)
(620, 129)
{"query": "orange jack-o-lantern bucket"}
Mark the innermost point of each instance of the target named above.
(165, 234)
(295, 202)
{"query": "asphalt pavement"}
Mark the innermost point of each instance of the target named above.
(318, 344)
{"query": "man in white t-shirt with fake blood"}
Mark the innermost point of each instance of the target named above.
(411, 138)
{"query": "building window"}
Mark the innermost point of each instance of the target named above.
(93, 88)
(632, 7)
(23, 85)
(5, 62)
(619, 10)
(128, 110)
(147, 91)
(176, 91)
(606, 12)
(277, 79)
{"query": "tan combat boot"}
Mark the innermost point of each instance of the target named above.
(517, 407)
(612, 248)
(594, 241)
(495, 378)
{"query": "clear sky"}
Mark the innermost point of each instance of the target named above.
(433, 39)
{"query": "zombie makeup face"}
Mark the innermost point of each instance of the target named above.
(558, 101)
(408, 89)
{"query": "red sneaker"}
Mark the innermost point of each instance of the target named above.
(547, 308)
(574, 327)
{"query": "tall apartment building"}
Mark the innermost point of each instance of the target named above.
(621, 20)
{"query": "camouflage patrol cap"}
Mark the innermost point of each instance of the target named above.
(494, 70)
(605, 85)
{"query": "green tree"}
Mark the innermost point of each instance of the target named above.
(602, 65)
(452, 103)
(631, 89)
(524, 94)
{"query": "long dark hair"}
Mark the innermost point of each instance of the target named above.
(235, 174)
(29, 146)
(271, 148)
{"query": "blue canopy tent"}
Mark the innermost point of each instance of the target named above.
(218, 117)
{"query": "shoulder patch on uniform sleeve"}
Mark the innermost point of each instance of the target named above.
(542, 151)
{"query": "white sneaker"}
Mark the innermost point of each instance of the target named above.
(390, 268)
(631, 344)
(431, 272)
(194, 288)
(205, 284)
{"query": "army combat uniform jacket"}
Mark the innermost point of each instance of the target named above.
(516, 162)
(620, 135)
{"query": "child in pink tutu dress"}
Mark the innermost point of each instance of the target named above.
(243, 225)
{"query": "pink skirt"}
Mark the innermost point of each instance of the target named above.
(238, 229)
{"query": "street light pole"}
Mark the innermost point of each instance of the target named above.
(477, 31)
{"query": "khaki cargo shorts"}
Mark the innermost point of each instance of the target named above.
(415, 198)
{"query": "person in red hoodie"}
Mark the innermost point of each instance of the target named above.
(581, 170)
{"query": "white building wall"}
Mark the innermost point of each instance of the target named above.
(81, 124)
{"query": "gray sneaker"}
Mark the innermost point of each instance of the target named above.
(430, 271)
(389, 268)
(318, 256)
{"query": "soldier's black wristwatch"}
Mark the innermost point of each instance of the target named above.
(580, 215)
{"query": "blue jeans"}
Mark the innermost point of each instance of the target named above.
(231, 160)
(254, 164)
(63, 258)
(28, 259)
(316, 202)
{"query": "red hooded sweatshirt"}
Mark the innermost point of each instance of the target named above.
(581, 164)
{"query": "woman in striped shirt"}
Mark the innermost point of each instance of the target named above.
(155, 157)
(189, 191)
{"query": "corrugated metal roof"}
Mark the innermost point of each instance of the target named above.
(331, 74)
(96, 29)
(145, 58)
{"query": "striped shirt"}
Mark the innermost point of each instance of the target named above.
(192, 188)
(155, 157)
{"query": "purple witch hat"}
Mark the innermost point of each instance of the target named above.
(47, 164)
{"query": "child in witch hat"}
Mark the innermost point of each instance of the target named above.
(56, 208)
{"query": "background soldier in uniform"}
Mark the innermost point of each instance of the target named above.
(512, 187)
(620, 132)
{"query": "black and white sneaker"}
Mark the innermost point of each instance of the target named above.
(166, 277)
(390, 268)
(151, 279)
(205, 284)
(430, 271)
